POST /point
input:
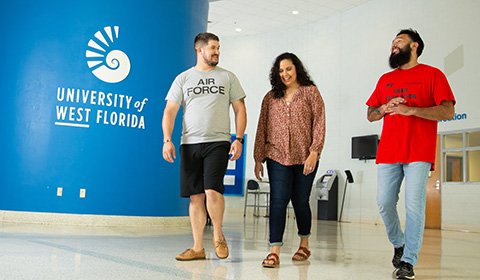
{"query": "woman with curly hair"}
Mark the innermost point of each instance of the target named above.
(290, 138)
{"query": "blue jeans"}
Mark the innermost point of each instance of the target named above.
(390, 177)
(288, 183)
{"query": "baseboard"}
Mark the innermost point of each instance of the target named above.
(445, 226)
(461, 227)
(90, 220)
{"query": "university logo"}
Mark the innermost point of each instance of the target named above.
(107, 63)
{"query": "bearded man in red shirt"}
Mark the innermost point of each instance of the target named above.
(411, 99)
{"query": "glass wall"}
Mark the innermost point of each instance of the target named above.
(461, 156)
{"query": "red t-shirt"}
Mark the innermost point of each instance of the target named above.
(408, 139)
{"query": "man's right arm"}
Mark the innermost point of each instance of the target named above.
(169, 115)
(375, 113)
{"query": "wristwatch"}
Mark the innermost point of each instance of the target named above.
(166, 141)
(240, 140)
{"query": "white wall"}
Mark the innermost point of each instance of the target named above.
(346, 55)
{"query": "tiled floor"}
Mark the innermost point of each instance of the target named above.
(339, 251)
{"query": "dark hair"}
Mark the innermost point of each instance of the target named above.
(203, 38)
(413, 34)
(302, 76)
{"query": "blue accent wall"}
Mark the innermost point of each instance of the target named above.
(235, 174)
(65, 127)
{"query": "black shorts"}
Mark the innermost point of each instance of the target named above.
(203, 166)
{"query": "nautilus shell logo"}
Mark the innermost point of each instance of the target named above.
(107, 63)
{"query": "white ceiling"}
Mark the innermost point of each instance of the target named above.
(259, 16)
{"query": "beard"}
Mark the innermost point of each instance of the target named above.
(210, 62)
(402, 57)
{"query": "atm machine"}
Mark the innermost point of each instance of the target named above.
(327, 196)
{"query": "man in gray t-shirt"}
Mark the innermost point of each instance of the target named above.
(206, 99)
(205, 92)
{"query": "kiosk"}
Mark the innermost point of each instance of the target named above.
(327, 196)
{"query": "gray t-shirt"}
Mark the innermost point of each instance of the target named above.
(206, 99)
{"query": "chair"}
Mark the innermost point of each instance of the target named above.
(349, 179)
(253, 188)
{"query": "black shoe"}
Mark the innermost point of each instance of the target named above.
(405, 271)
(397, 256)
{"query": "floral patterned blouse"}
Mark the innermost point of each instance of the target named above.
(287, 133)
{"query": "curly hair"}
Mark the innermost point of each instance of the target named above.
(278, 86)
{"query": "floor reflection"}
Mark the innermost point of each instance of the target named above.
(339, 251)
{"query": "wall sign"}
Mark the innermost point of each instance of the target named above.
(235, 175)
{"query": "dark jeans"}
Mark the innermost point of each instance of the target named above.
(288, 183)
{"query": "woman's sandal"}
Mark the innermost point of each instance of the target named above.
(301, 256)
(271, 257)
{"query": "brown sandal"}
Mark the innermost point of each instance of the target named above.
(301, 256)
(275, 259)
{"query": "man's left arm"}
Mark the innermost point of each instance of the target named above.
(444, 111)
(240, 125)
